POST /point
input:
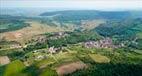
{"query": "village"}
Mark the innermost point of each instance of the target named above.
(36, 50)
(103, 43)
(43, 53)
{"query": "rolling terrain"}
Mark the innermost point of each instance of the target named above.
(72, 43)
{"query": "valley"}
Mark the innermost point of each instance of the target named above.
(72, 43)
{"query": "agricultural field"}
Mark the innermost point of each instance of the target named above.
(71, 43)
(24, 34)
(77, 57)
(14, 68)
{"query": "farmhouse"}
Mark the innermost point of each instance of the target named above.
(54, 50)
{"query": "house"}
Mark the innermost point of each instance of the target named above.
(54, 50)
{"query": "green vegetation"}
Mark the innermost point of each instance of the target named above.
(35, 47)
(16, 55)
(48, 22)
(125, 29)
(11, 25)
(35, 59)
(31, 71)
(137, 44)
(78, 15)
(109, 69)
(117, 59)
(2, 70)
(130, 62)
(139, 35)
(99, 58)
(14, 68)
(12, 53)
(48, 72)
(74, 38)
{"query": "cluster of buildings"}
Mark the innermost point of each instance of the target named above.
(38, 53)
(104, 43)
(57, 35)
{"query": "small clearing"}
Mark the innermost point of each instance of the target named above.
(69, 68)
(4, 60)
(92, 24)
(99, 58)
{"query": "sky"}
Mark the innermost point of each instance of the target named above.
(75, 4)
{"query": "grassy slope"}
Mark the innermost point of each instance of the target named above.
(48, 72)
(26, 33)
(14, 68)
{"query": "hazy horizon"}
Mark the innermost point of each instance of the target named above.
(104, 5)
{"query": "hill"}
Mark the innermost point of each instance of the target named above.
(90, 14)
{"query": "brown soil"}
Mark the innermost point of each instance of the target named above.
(26, 33)
(4, 60)
(71, 67)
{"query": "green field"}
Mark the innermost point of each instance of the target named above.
(7, 25)
(14, 69)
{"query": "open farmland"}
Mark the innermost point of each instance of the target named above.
(70, 42)
(26, 33)
(71, 67)
(91, 24)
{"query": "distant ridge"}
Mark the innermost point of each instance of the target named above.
(92, 14)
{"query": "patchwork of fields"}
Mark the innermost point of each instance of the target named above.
(71, 43)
